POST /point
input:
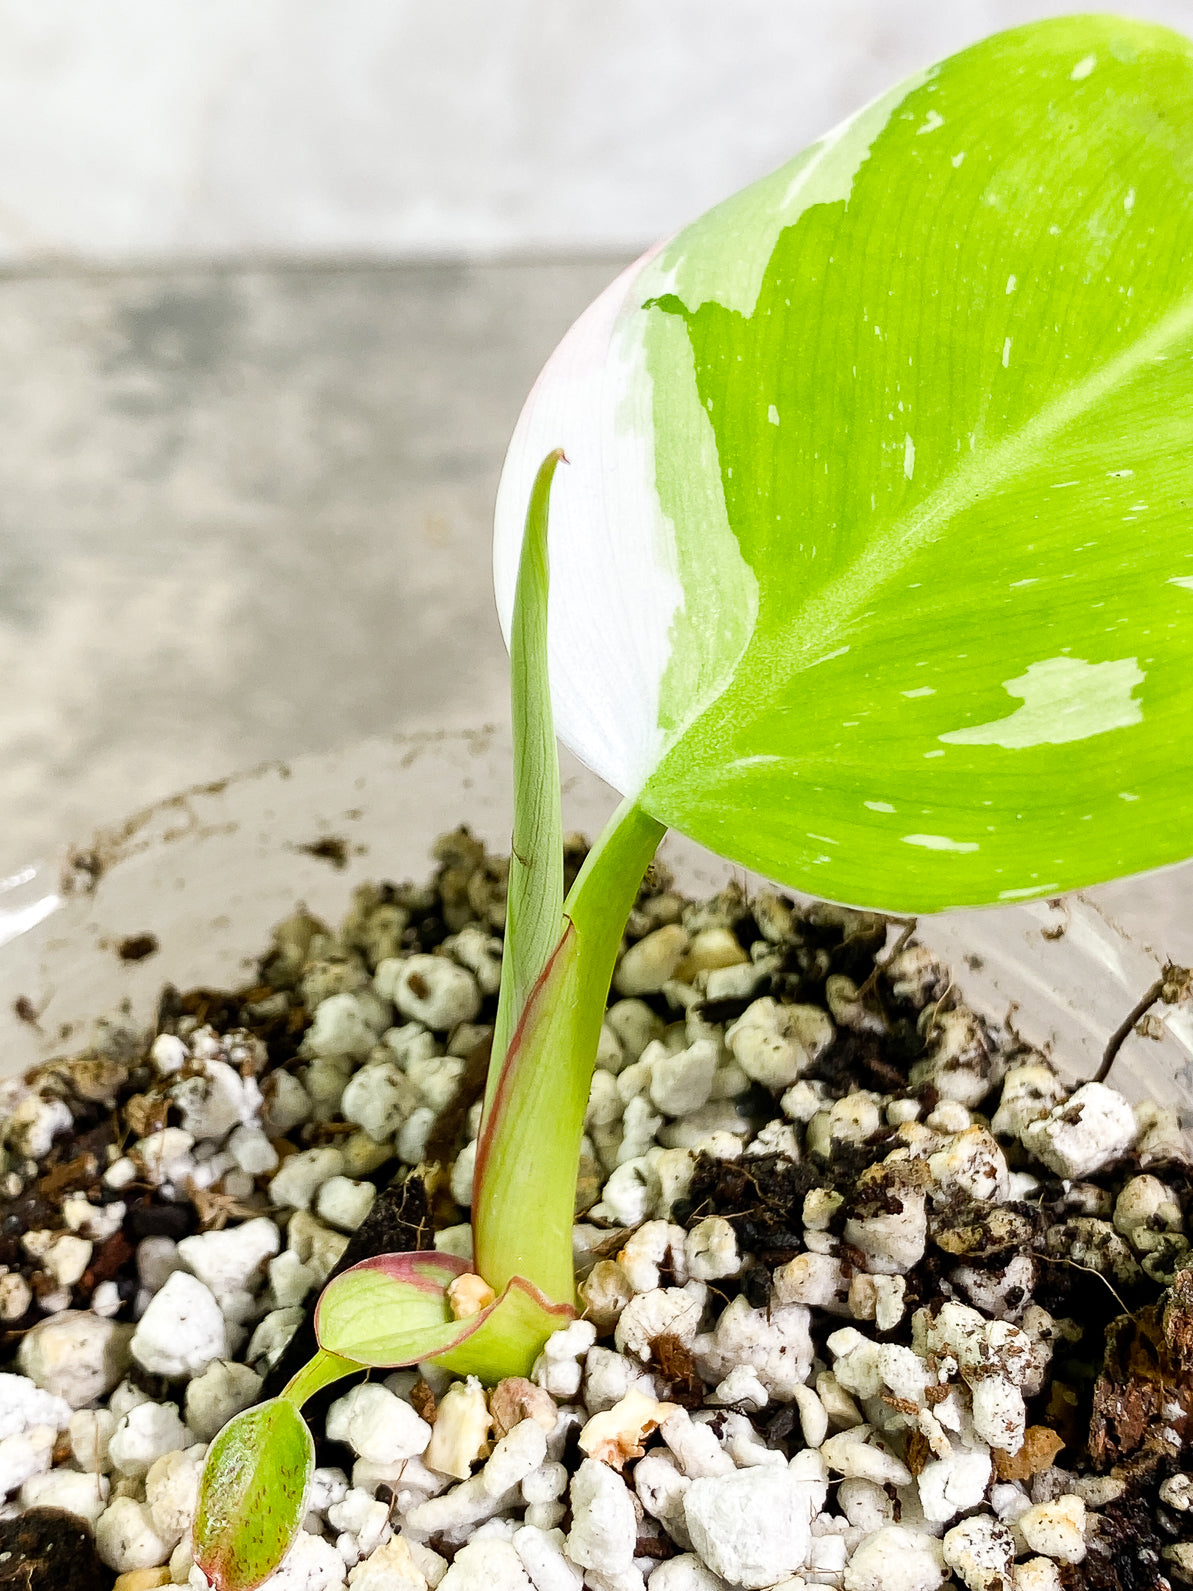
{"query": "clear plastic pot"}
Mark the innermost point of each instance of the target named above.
(207, 873)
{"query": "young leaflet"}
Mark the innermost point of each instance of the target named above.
(871, 569)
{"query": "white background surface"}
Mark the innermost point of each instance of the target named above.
(153, 129)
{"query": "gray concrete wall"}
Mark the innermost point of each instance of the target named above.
(245, 513)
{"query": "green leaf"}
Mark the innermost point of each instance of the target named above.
(534, 895)
(321, 1370)
(253, 1495)
(393, 1310)
(873, 566)
(506, 1338)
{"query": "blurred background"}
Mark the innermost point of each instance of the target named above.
(275, 276)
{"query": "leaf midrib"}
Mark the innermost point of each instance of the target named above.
(824, 618)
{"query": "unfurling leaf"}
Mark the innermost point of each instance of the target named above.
(534, 895)
(253, 1495)
(394, 1310)
(872, 568)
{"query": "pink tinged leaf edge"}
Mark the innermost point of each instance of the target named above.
(252, 1495)
(426, 1270)
(500, 1340)
(510, 1065)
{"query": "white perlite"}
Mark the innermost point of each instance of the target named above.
(144, 1435)
(223, 1389)
(182, 1331)
(302, 1175)
(896, 1559)
(486, 1474)
(229, 1260)
(430, 989)
(24, 1405)
(981, 1552)
(381, 1428)
(775, 1044)
(491, 1565)
(1055, 1529)
(1084, 1133)
(77, 1356)
(70, 1490)
(25, 1454)
(774, 1343)
(127, 1538)
(604, 1525)
(752, 1527)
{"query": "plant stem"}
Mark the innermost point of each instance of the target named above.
(525, 1181)
(318, 1372)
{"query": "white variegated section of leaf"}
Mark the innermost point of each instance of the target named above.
(724, 255)
(614, 584)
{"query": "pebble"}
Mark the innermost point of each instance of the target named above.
(752, 1527)
(432, 990)
(1083, 1134)
(604, 1526)
(1055, 1529)
(302, 1175)
(76, 1355)
(182, 1331)
(896, 1559)
(377, 1425)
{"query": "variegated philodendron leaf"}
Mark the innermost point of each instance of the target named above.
(872, 565)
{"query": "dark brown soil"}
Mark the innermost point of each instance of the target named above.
(48, 1550)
